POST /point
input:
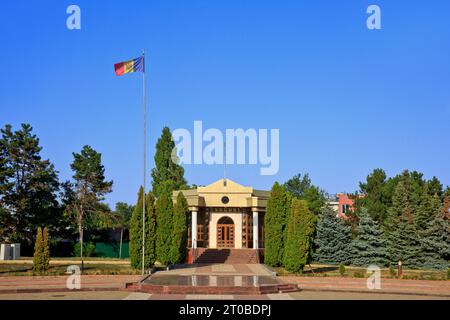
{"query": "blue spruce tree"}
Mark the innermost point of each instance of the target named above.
(369, 247)
(333, 239)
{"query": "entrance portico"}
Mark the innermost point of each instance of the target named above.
(226, 214)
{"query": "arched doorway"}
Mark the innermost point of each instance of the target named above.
(225, 233)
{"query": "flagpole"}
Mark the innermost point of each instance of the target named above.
(145, 162)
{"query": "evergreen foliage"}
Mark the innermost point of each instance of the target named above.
(167, 166)
(28, 186)
(333, 239)
(179, 233)
(302, 188)
(135, 245)
(150, 231)
(275, 224)
(299, 238)
(369, 247)
(164, 223)
(41, 257)
(435, 244)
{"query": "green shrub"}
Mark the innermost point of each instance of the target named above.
(448, 274)
(41, 257)
(358, 274)
(88, 249)
(341, 269)
(392, 272)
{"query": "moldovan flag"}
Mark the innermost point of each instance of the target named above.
(135, 65)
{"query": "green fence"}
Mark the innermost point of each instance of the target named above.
(111, 249)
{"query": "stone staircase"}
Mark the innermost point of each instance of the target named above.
(227, 256)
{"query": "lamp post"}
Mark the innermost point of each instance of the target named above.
(399, 269)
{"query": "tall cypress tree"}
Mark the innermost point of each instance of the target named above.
(333, 239)
(166, 165)
(299, 237)
(275, 223)
(369, 247)
(38, 252)
(150, 230)
(136, 233)
(179, 233)
(164, 222)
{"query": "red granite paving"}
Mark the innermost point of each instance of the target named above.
(387, 285)
(168, 297)
(53, 282)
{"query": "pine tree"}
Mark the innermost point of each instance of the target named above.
(150, 231)
(179, 235)
(369, 247)
(333, 239)
(164, 223)
(136, 233)
(275, 223)
(166, 165)
(299, 237)
(435, 244)
(28, 185)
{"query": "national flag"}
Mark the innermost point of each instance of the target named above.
(135, 65)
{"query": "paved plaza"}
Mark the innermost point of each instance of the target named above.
(102, 287)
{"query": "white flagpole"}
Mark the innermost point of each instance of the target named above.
(145, 162)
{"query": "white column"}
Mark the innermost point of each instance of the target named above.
(255, 229)
(194, 229)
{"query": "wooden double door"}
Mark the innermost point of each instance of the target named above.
(225, 233)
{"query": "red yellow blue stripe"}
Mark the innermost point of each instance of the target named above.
(135, 65)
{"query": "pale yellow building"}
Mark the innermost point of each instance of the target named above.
(226, 214)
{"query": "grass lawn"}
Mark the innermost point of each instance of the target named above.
(58, 266)
(317, 270)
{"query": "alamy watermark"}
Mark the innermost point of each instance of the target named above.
(374, 279)
(213, 147)
(74, 280)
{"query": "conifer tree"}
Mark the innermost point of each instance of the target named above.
(45, 249)
(402, 236)
(150, 231)
(41, 258)
(179, 233)
(275, 223)
(164, 223)
(403, 242)
(299, 237)
(435, 244)
(28, 186)
(333, 239)
(136, 233)
(167, 166)
(37, 257)
(429, 207)
(369, 247)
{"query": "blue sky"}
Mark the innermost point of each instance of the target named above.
(346, 99)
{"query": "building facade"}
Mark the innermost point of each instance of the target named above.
(226, 214)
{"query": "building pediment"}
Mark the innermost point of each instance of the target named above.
(223, 186)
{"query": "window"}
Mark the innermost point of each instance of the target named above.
(345, 208)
